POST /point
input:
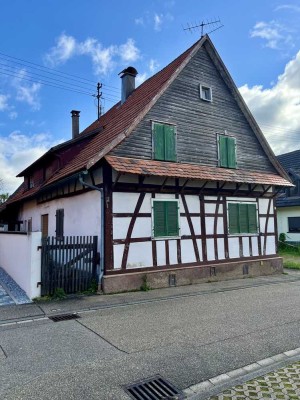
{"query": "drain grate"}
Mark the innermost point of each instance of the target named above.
(156, 388)
(63, 317)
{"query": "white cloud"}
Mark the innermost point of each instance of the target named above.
(103, 58)
(141, 78)
(153, 66)
(128, 51)
(17, 151)
(27, 92)
(139, 21)
(157, 21)
(3, 102)
(12, 115)
(277, 108)
(291, 7)
(63, 51)
(274, 34)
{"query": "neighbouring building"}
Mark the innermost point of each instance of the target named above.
(288, 202)
(176, 180)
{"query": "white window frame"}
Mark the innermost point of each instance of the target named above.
(202, 87)
(152, 220)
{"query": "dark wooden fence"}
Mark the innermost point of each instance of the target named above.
(68, 263)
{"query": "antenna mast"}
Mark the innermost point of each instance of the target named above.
(216, 24)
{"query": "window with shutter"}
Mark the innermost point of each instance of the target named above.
(164, 142)
(165, 218)
(242, 218)
(59, 224)
(227, 151)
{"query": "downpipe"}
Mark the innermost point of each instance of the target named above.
(81, 176)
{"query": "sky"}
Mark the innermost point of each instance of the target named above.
(53, 53)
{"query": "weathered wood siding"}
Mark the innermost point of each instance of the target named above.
(198, 122)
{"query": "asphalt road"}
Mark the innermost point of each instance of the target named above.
(186, 340)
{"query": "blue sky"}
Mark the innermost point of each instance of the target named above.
(88, 42)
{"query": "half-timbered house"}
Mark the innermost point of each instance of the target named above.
(176, 180)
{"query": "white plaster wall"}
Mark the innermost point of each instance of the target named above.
(263, 206)
(234, 249)
(21, 259)
(271, 245)
(187, 251)
(254, 241)
(282, 219)
(82, 214)
(118, 255)
(246, 247)
(173, 251)
(221, 249)
(139, 255)
(210, 249)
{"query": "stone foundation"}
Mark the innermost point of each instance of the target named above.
(191, 275)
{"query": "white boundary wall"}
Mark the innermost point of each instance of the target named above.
(21, 259)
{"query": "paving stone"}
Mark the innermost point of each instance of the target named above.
(281, 384)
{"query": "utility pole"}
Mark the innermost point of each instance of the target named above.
(98, 97)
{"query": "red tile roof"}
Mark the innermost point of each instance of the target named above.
(193, 171)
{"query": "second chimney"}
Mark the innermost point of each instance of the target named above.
(75, 123)
(128, 82)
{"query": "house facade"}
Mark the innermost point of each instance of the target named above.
(176, 180)
(288, 203)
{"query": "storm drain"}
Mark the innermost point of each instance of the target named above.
(63, 317)
(155, 388)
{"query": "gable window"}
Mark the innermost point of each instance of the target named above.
(205, 93)
(242, 218)
(227, 151)
(165, 218)
(30, 182)
(294, 224)
(164, 142)
(59, 223)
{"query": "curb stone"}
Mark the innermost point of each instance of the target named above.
(217, 384)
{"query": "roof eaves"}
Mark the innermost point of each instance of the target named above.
(146, 109)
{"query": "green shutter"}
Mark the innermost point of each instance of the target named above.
(172, 218)
(231, 155)
(252, 218)
(243, 218)
(223, 151)
(170, 143)
(159, 142)
(159, 218)
(233, 216)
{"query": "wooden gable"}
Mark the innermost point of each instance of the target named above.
(198, 123)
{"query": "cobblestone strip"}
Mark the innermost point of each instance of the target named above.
(269, 378)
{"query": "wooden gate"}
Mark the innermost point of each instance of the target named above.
(68, 263)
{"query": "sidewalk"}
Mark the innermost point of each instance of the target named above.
(81, 304)
(276, 377)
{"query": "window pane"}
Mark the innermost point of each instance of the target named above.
(294, 224)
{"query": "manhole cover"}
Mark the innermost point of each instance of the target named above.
(63, 317)
(156, 388)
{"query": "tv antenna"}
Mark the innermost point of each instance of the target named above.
(215, 25)
(98, 97)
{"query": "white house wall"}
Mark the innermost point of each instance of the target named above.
(82, 214)
(140, 243)
(283, 213)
